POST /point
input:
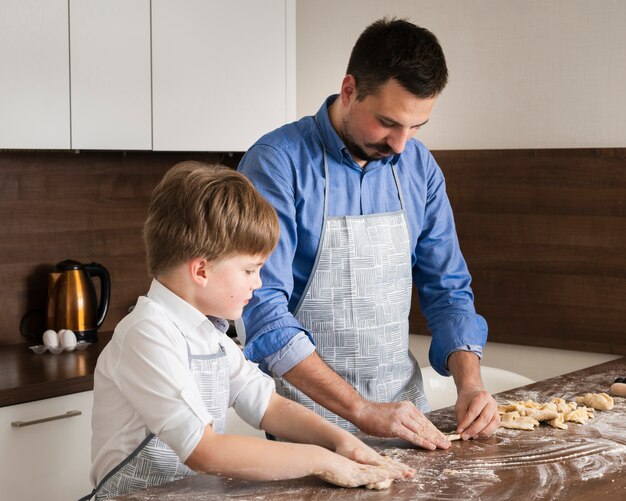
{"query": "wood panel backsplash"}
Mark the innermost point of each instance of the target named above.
(88, 206)
(543, 232)
(544, 235)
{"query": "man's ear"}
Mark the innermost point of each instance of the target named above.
(199, 271)
(348, 90)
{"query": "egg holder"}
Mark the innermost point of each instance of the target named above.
(55, 350)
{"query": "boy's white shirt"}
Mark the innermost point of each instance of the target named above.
(143, 382)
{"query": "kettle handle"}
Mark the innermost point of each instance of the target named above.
(97, 270)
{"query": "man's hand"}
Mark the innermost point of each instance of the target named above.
(476, 414)
(402, 420)
(397, 419)
(476, 410)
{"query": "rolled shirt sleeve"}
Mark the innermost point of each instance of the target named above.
(449, 335)
(297, 349)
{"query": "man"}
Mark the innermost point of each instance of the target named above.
(364, 215)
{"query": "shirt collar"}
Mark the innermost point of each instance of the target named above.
(333, 143)
(335, 146)
(184, 315)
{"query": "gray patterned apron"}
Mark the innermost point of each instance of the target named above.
(356, 307)
(154, 463)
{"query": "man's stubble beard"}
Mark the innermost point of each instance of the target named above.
(357, 150)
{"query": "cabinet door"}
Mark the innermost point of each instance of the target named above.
(49, 460)
(219, 71)
(110, 74)
(34, 74)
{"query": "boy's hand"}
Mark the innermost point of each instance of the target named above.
(343, 472)
(354, 449)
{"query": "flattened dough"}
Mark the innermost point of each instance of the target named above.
(558, 422)
(562, 406)
(581, 415)
(513, 421)
(545, 413)
(599, 401)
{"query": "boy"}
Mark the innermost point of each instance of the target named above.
(163, 384)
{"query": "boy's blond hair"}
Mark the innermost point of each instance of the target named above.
(206, 211)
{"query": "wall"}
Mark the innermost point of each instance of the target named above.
(523, 74)
(87, 206)
(544, 236)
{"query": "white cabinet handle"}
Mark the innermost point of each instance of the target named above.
(68, 414)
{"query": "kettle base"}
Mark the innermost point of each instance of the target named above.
(91, 335)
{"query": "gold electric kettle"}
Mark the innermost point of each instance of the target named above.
(72, 300)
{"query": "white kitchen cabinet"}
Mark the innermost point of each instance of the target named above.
(222, 72)
(49, 460)
(168, 75)
(110, 74)
(34, 74)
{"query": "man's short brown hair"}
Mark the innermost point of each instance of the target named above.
(207, 211)
(393, 48)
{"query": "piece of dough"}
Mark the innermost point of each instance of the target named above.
(504, 408)
(513, 421)
(526, 414)
(379, 486)
(523, 407)
(453, 436)
(540, 412)
(558, 422)
(545, 412)
(562, 406)
(530, 403)
(580, 415)
(599, 401)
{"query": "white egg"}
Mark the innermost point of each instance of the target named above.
(68, 340)
(51, 338)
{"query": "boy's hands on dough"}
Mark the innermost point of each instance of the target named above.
(402, 420)
(344, 472)
(476, 413)
(353, 448)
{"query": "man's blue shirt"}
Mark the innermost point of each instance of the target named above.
(287, 168)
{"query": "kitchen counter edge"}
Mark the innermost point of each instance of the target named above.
(27, 377)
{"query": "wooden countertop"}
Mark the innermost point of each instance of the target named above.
(580, 463)
(26, 376)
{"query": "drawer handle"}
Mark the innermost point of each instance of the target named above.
(68, 414)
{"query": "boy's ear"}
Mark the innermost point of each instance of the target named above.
(199, 271)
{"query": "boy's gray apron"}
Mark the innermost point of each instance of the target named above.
(153, 462)
(356, 306)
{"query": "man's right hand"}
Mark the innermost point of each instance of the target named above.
(399, 419)
(395, 419)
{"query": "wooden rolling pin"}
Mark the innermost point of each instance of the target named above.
(619, 387)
